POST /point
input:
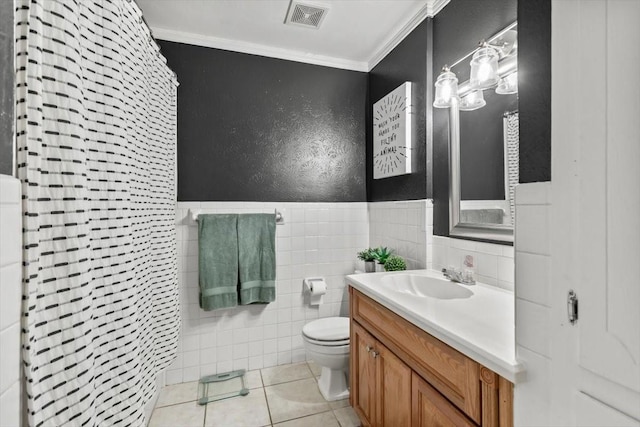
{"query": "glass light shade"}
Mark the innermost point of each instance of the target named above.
(484, 68)
(446, 88)
(508, 85)
(472, 101)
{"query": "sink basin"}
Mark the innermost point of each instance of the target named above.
(425, 287)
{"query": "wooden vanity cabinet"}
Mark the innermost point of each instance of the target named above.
(381, 390)
(402, 376)
(362, 371)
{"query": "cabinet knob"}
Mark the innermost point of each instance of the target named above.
(368, 348)
(374, 354)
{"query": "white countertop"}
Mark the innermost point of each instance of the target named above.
(481, 325)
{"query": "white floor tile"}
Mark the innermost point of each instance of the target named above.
(295, 399)
(347, 417)
(325, 419)
(290, 402)
(285, 373)
(317, 370)
(184, 415)
(178, 393)
(241, 411)
(253, 379)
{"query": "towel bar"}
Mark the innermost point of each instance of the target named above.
(193, 214)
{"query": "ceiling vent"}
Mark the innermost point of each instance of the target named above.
(306, 15)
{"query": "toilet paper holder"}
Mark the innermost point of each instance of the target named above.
(309, 281)
(317, 288)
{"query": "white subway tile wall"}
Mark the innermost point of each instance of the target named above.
(405, 227)
(494, 264)
(533, 261)
(10, 299)
(316, 239)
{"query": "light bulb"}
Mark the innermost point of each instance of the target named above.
(472, 101)
(508, 85)
(484, 68)
(446, 88)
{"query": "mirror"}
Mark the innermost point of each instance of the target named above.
(483, 139)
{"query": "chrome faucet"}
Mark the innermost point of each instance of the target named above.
(459, 276)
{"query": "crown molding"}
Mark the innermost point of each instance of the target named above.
(257, 49)
(428, 10)
(436, 6)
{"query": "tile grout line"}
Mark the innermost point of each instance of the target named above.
(264, 392)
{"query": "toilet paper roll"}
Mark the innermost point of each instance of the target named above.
(317, 290)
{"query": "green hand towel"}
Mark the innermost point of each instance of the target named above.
(218, 261)
(257, 258)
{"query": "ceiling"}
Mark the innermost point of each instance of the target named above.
(355, 34)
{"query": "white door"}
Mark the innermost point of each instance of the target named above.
(595, 378)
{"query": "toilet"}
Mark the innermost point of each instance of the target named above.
(326, 342)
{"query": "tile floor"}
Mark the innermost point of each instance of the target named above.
(283, 396)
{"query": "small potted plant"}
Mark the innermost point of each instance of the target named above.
(381, 255)
(395, 263)
(369, 258)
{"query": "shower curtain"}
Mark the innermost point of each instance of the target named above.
(96, 144)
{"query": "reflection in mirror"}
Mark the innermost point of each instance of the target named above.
(483, 138)
(489, 161)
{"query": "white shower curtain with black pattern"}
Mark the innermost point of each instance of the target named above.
(96, 143)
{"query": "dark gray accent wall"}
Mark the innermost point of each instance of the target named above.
(264, 129)
(456, 30)
(6, 87)
(534, 89)
(406, 62)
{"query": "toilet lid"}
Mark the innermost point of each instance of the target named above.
(327, 329)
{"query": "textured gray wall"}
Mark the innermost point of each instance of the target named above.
(264, 129)
(534, 91)
(6, 87)
(406, 62)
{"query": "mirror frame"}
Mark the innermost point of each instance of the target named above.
(498, 233)
(494, 232)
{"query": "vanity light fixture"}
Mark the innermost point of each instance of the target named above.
(472, 101)
(484, 67)
(446, 88)
(494, 64)
(508, 84)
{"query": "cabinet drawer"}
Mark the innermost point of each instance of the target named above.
(450, 372)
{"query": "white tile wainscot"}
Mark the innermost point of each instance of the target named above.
(494, 263)
(10, 299)
(406, 227)
(317, 239)
(531, 397)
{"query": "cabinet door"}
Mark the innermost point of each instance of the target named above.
(431, 409)
(393, 407)
(363, 374)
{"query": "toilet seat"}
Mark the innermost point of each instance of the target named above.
(326, 343)
(329, 331)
